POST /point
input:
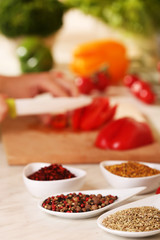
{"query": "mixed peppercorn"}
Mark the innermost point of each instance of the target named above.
(132, 169)
(75, 203)
(51, 172)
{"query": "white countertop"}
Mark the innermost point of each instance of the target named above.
(20, 218)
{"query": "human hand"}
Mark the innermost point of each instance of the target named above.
(30, 85)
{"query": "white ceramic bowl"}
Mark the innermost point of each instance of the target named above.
(41, 189)
(151, 182)
(153, 201)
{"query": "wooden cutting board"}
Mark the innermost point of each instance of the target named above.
(25, 141)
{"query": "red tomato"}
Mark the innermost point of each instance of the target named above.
(99, 81)
(141, 89)
(84, 85)
(129, 80)
(124, 133)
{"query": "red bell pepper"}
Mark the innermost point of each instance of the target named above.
(76, 118)
(124, 133)
(141, 89)
(158, 191)
(93, 116)
(59, 121)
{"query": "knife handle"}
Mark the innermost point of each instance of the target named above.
(11, 107)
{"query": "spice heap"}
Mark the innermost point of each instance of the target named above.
(52, 172)
(75, 203)
(132, 169)
(140, 219)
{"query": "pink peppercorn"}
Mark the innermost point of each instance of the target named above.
(51, 172)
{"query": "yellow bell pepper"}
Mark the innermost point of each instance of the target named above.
(90, 57)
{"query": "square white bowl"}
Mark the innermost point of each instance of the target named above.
(41, 189)
(151, 182)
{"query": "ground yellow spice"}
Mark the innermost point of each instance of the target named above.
(132, 169)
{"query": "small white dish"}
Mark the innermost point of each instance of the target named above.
(151, 182)
(41, 189)
(123, 195)
(153, 201)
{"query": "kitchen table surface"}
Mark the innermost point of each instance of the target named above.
(20, 218)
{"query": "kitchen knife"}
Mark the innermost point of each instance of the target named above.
(44, 104)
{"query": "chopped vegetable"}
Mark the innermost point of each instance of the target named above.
(158, 191)
(94, 116)
(124, 133)
(59, 121)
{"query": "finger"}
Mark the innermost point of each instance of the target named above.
(50, 86)
(66, 83)
(45, 119)
(69, 86)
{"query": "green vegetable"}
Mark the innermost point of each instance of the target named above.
(30, 17)
(34, 56)
(136, 16)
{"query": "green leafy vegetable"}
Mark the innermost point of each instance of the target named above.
(30, 17)
(137, 16)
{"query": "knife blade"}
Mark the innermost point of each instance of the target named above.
(45, 104)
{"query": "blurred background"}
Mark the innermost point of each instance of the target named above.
(41, 35)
